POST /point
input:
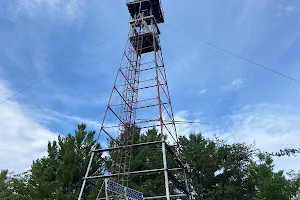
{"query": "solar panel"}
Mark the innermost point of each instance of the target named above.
(134, 195)
(129, 193)
(115, 187)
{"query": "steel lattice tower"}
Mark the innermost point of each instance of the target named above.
(140, 98)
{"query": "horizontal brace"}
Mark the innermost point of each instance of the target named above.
(151, 126)
(143, 100)
(122, 147)
(140, 64)
(109, 127)
(147, 121)
(150, 106)
(172, 196)
(147, 63)
(118, 105)
(147, 69)
(151, 86)
(126, 85)
(130, 173)
(144, 81)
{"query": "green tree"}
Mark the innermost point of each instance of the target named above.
(59, 175)
(4, 186)
(217, 170)
(272, 185)
(14, 186)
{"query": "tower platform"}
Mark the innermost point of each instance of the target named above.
(144, 41)
(135, 6)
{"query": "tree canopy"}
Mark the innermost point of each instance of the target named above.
(216, 170)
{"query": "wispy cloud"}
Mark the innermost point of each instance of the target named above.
(234, 85)
(186, 124)
(22, 138)
(77, 119)
(67, 9)
(271, 127)
(290, 9)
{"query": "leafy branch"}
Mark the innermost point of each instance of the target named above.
(285, 152)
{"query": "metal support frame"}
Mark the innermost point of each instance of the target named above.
(150, 171)
(167, 172)
(140, 89)
(121, 147)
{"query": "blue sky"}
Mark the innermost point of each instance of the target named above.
(38, 36)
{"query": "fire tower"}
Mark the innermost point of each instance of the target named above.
(139, 100)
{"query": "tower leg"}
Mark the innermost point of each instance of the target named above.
(106, 192)
(86, 175)
(166, 171)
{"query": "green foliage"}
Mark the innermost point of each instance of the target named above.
(216, 170)
(14, 187)
(285, 152)
(4, 187)
(272, 185)
(59, 175)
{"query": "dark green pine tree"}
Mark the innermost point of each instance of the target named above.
(58, 176)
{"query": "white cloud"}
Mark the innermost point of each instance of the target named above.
(186, 125)
(234, 85)
(271, 127)
(68, 9)
(286, 9)
(22, 138)
(292, 9)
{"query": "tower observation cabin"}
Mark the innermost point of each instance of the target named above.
(145, 17)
